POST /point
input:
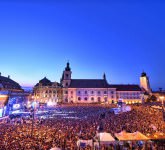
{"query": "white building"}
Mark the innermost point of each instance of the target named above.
(97, 90)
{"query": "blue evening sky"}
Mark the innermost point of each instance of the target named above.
(120, 38)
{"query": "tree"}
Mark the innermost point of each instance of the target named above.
(152, 98)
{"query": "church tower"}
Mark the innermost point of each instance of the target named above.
(144, 82)
(66, 77)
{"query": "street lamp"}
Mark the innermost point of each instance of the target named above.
(32, 128)
(34, 105)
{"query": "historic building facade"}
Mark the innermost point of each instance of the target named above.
(89, 90)
(98, 90)
(11, 93)
(7, 84)
(47, 91)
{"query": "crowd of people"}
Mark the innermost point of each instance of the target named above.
(75, 122)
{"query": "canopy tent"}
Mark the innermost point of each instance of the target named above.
(157, 135)
(105, 138)
(136, 136)
(84, 143)
(55, 148)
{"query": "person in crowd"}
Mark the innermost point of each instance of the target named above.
(74, 122)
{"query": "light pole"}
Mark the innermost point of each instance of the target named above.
(32, 111)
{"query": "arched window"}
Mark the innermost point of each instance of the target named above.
(79, 98)
(99, 99)
(86, 98)
(92, 98)
(67, 76)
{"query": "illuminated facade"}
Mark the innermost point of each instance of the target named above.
(7, 84)
(97, 90)
(144, 83)
(8, 88)
(47, 91)
(86, 90)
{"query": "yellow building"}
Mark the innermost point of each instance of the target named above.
(46, 91)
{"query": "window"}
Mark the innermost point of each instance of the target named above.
(92, 92)
(66, 92)
(112, 92)
(86, 98)
(85, 92)
(50, 91)
(71, 92)
(105, 99)
(98, 92)
(54, 91)
(99, 99)
(79, 98)
(92, 98)
(105, 92)
(112, 96)
(79, 92)
(66, 75)
(66, 84)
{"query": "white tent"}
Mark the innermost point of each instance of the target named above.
(55, 148)
(124, 136)
(83, 143)
(105, 138)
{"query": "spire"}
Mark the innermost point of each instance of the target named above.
(67, 66)
(143, 74)
(104, 76)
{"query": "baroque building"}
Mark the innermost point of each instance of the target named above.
(97, 90)
(7, 84)
(89, 90)
(10, 91)
(47, 91)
